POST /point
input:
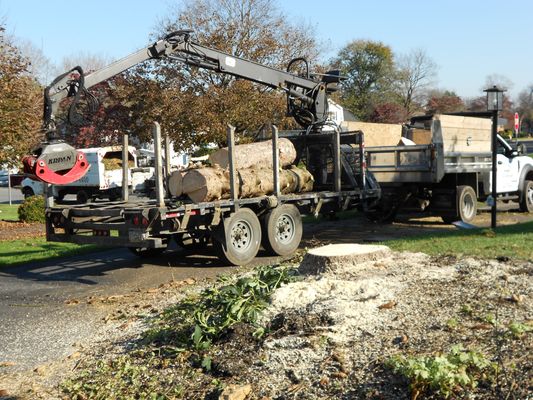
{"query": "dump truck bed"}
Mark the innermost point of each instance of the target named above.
(442, 144)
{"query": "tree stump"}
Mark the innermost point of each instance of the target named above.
(331, 257)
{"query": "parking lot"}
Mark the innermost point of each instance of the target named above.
(16, 195)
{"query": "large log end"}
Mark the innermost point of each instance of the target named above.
(333, 256)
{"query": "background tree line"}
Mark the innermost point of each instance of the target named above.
(194, 105)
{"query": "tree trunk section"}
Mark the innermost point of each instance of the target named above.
(212, 183)
(333, 257)
(175, 183)
(259, 153)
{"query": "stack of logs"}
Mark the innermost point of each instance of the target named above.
(254, 174)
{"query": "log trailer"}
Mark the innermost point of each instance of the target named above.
(237, 227)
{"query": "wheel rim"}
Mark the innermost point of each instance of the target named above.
(285, 229)
(468, 207)
(241, 236)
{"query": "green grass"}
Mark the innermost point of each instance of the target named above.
(513, 241)
(38, 249)
(9, 212)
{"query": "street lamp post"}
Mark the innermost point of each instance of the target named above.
(494, 104)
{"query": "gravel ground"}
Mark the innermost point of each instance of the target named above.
(332, 342)
(330, 334)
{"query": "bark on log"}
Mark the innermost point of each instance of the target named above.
(175, 183)
(206, 184)
(256, 154)
(212, 183)
(333, 257)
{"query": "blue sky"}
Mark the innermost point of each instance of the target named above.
(467, 39)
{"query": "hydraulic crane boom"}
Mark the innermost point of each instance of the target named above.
(56, 162)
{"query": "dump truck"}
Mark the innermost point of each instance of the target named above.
(441, 164)
(236, 226)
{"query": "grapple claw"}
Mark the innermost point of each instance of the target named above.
(58, 164)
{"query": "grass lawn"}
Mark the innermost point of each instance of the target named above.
(38, 249)
(9, 212)
(513, 241)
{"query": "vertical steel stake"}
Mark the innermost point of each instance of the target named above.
(234, 189)
(125, 167)
(156, 130)
(275, 160)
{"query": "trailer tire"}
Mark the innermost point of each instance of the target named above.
(146, 252)
(282, 230)
(82, 197)
(526, 197)
(241, 238)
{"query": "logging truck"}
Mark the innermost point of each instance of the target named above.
(236, 221)
(442, 166)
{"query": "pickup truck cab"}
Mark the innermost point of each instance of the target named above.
(103, 180)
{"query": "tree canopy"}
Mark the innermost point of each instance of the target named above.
(20, 104)
(194, 105)
(368, 67)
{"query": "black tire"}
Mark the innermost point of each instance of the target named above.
(282, 230)
(27, 192)
(526, 197)
(466, 203)
(192, 240)
(60, 195)
(82, 197)
(146, 252)
(383, 212)
(242, 238)
(466, 206)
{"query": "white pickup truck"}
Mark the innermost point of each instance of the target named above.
(103, 180)
(444, 168)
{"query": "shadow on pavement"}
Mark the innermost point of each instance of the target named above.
(87, 268)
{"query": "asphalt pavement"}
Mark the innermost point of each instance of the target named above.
(16, 195)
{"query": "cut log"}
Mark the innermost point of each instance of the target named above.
(206, 184)
(255, 154)
(333, 256)
(212, 183)
(175, 183)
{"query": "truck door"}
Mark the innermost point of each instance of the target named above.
(507, 174)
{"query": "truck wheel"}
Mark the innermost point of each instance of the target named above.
(466, 206)
(27, 192)
(82, 197)
(60, 195)
(282, 230)
(242, 238)
(526, 198)
(146, 251)
(467, 203)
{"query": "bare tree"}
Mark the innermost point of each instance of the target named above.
(89, 62)
(416, 73)
(39, 66)
(525, 108)
(499, 80)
